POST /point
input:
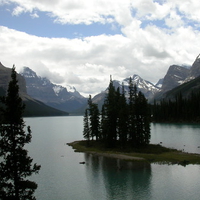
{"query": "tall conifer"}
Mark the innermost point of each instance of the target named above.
(94, 123)
(122, 122)
(132, 119)
(15, 165)
(142, 120)
(110, 110)
(86, 127)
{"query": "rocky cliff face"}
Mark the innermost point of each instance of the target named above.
(178, 75)
(175, 76)
(159, 83)
(195, 69)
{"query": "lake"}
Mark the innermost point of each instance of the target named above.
(62, 177)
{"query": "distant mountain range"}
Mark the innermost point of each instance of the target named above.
(184, 77)
(33, 107)
(56, 96)
(146, 87)
(41, 91)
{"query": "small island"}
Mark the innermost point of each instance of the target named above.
(152, 153)
(122, 130)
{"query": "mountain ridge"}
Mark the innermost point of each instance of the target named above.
(69, 100)
(177, 76)
(32, 106)
(56, 96)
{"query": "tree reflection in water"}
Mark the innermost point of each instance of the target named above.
(111, 178)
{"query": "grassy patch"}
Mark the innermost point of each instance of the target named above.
(151, 153)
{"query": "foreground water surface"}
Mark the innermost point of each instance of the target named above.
(62, 177)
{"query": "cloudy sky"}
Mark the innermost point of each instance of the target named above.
(82, 43)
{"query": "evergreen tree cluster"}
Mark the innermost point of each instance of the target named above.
(15, 164)
(121, 121)
(178, 110)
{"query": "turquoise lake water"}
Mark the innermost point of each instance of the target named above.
(62, 177)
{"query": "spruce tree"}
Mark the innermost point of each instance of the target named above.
(132, 118)
(142, 114)
(94, 121)
(122, 121)
(103, 124)
(94, 124)
(110, 114)
(86, 127)
(15, 164)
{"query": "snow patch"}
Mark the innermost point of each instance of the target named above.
(177, 76)
(159, 85)
(57, 89)
(180, 82)
(71, 88)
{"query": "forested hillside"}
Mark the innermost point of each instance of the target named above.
(181, 104)
(178, 110)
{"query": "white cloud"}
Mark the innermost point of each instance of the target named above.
(190, 8)
(3, 2)
(34, 15)
(144, 7)
(174, 20)
(88, 62)
(77, 12)
(81, 61)
(17, 11)
(90, 11)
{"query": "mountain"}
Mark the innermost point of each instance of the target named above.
(159, 83)
(175, 76)
(195, 69)
(37, 108)
(180, 79)
(56, 96)
(178, 75)
(185, 89)
(33, 107)
(146, 87)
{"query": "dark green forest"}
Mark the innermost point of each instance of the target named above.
(180, 109)
(122, 121)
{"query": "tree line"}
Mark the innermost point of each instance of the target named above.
(178, 110)
(122, 121)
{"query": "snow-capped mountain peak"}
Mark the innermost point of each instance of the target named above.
(146, 87)
(57, 96)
